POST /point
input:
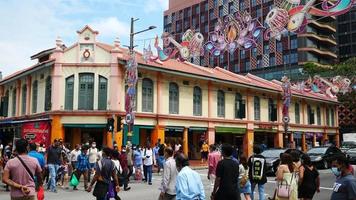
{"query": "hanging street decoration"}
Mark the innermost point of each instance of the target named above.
(321, 85)
(130, 96)
(239, 32)
(286, 97)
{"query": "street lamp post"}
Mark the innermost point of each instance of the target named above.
(131, 79)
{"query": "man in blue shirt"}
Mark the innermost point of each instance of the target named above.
(83, 166)
(33, 153)
(188, 184)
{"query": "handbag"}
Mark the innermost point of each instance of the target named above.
(101, 189)
(40, 193)
(284, 190)
(74, 180)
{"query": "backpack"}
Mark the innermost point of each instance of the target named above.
(257, 168)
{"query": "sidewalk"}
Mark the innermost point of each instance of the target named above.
(196, 164)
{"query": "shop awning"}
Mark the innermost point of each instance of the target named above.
(174, 128)
(260, 130)
(198, 128)
(145, 127)
(84, 125)
(232, 130)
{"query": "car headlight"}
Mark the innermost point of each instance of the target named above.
(318, 158)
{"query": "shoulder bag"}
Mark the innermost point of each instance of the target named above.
(284, 188)
(101, 188)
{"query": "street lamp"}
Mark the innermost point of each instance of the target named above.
(131, 78)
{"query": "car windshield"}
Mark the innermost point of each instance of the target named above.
(273, 153)
(317, 151)
(349, 144)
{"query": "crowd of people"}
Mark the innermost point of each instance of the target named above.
(29, 167)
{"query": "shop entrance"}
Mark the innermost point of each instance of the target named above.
(75, 136)
(145, 137)
(174, 136)
(195, 141)
(234, 139)
(264, 139)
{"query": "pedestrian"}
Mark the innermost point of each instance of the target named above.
(161, 156)
(213, 159)
(54, 160)
(137, 158)
(204, 152)
(155, 152)
(345, 184)
(168, 183)
(119, 172)
(177, 146)
(296, 160)
(227, 173)
(129, 154)
(82, 167)
(19, 173)
(148, 161)
(257, 172)
(34, 154)
(244, 182)
(104, 172)
(309, 181)
(188, 184)
(93, 158)
(125, 169)
(285, 175)
(74, 156)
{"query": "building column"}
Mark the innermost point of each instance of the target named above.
(304, 143)
(325, 137)
(57, 131)
(210, 101)
(158, 133)
(57, 73)
(76, 136)
(28, 95)
(278, 140)
(109, 139)
(118, 138)
(185, 141)
(314, 139)
(211, 135)
(248, 143)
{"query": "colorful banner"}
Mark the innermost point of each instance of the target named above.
(37, 132)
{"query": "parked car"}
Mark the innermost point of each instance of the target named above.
(351, 155)
(347, 145)
(273, 158)
(320, 156)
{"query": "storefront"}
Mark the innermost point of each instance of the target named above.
(173, 135)
(297, 136)
(231, 135)
(196, 137)
(84, 133)
(264, 137)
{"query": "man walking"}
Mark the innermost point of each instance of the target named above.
(345, 185)
(257, 174)
(93, 158)
(227, 173)
(168, 190)
(83, 166)
(125, 168)
(54, 159)
(22, 169)
(188, 184)
(34, 154)
(213, 160)
(148, 161)
(74, 156)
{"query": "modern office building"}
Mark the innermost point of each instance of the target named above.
(346, 35)
(270, 59)
(72, 91)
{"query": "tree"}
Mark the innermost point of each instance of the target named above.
(346, 69)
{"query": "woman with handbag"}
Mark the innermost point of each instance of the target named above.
(244, 182)
(287, 188)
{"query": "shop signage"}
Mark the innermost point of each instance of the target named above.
(265, 126)
(36, 132)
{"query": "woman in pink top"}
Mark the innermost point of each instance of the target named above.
(22, 180)
(213, 158)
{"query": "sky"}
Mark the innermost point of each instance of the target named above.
(30, 26)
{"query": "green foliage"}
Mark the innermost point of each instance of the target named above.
(346, 69)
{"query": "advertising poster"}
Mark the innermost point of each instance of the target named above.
(37, 132)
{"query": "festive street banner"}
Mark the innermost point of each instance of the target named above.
(37, 132)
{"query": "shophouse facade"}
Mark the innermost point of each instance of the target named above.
(72, 91)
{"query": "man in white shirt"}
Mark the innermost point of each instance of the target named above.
(148, 161)
(168, 184)
(74, 156)
(93, 158)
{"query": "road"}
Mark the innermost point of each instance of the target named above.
(143, 191)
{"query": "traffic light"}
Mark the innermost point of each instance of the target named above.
(110, 125)
(120, 123)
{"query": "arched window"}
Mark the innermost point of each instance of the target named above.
(257, 108)
(34, 96)
(147, 95)
(272, 110)
(23, 99)
(48, 94)
(310, 111)
(197, 101)
(13, 103)
(332, 113)
(221, 103)
(240, 107)
(69, 93)
(297, 113)
(5, 104)
(103, 93)
(173, 98)
(318, 116)
(86, 91)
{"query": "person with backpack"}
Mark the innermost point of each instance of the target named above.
(257, 173)
(309, 180)
(20, 172)
(148, 161)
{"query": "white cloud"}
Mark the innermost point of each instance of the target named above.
(111, 27)
(155, 5)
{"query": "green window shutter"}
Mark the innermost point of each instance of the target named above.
(69, 93)
(13, 113)
(257, 108)
(173, 98)
(102, 99)
(24, 95)
(221, 103)
(48, 94)
(5, 108)
(147, 95)
(34, 96)
(297, 113)
(197, 101)
(86, 91)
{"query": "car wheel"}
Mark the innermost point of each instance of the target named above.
(325, 164)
